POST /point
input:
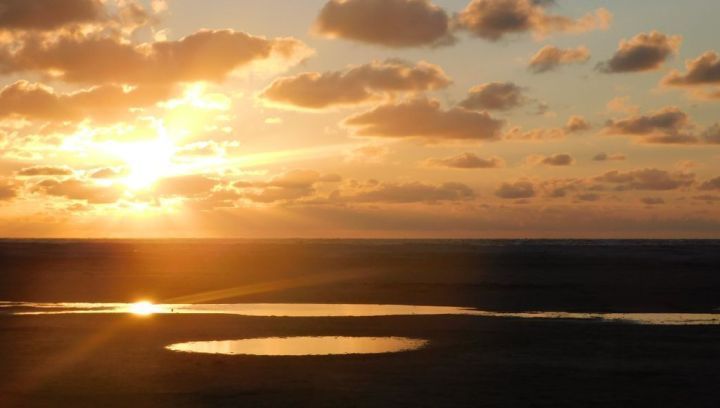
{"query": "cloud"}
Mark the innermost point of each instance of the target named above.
(561, 159)
(40, 16)
(494, 96)
(309, 187)
(467, 161)
(389, 23)
(549, 58)
(588, 197)
(668, 125)
(370, 153)
(186, 185)
(108, 173)
(425, 119)
(292, 185)
(653, 200)
(207, 55)
(711, 135)
(622, 104)
(647, 179)
(712, 184)
(644, 52)
(44, 15)
(576, 124)
(7, 191)
(411, 192)
(74, 189)
(33, 101)
(535, 135)
(358, 84)
(606, 157)
(494, 19)
(559, 188)
(703, 70)
(46, 171)
(708, 198)
(516, 190)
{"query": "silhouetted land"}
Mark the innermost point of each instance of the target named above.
(120, 361)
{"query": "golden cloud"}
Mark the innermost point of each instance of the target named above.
(494, 19)
(644, 52)
(358, 84)
(424, 118)
(391, 23)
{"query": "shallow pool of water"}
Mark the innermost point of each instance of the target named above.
(301, 346)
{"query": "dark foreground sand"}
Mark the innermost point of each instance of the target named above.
(120, 361)
(53, 361)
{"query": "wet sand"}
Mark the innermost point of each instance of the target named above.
(120, 360)
(60, 361)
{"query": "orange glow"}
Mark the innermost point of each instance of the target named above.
(143, 308)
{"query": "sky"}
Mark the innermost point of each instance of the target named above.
(359, 119)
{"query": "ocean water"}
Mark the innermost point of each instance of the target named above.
(613, 276)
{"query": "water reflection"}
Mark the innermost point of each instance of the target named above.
(347, 310)
(302, 346)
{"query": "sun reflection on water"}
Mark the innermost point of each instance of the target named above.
(144, 308)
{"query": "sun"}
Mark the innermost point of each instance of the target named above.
(147, 161)
(143, 308)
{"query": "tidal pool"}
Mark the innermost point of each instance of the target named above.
(301, 346)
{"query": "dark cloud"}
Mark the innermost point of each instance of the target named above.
(46, 171)
(390, 23)
(712, 134)
(562, 159)
(712, 184)
(494, 96)
(314, 90)
(467, 161)
(549, 58)
(425, 119)
(703, 70)
(647, 179)
(588, 197)
(50, 15)
(669, 125)
(606, 157)
(207, 55)
(653, 200)
(644, 52)
(494, 19)
(516, 190)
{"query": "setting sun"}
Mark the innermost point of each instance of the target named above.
(143, 308)
(147, 161)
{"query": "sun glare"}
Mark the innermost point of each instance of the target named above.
(147, 161)
(143, 308)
